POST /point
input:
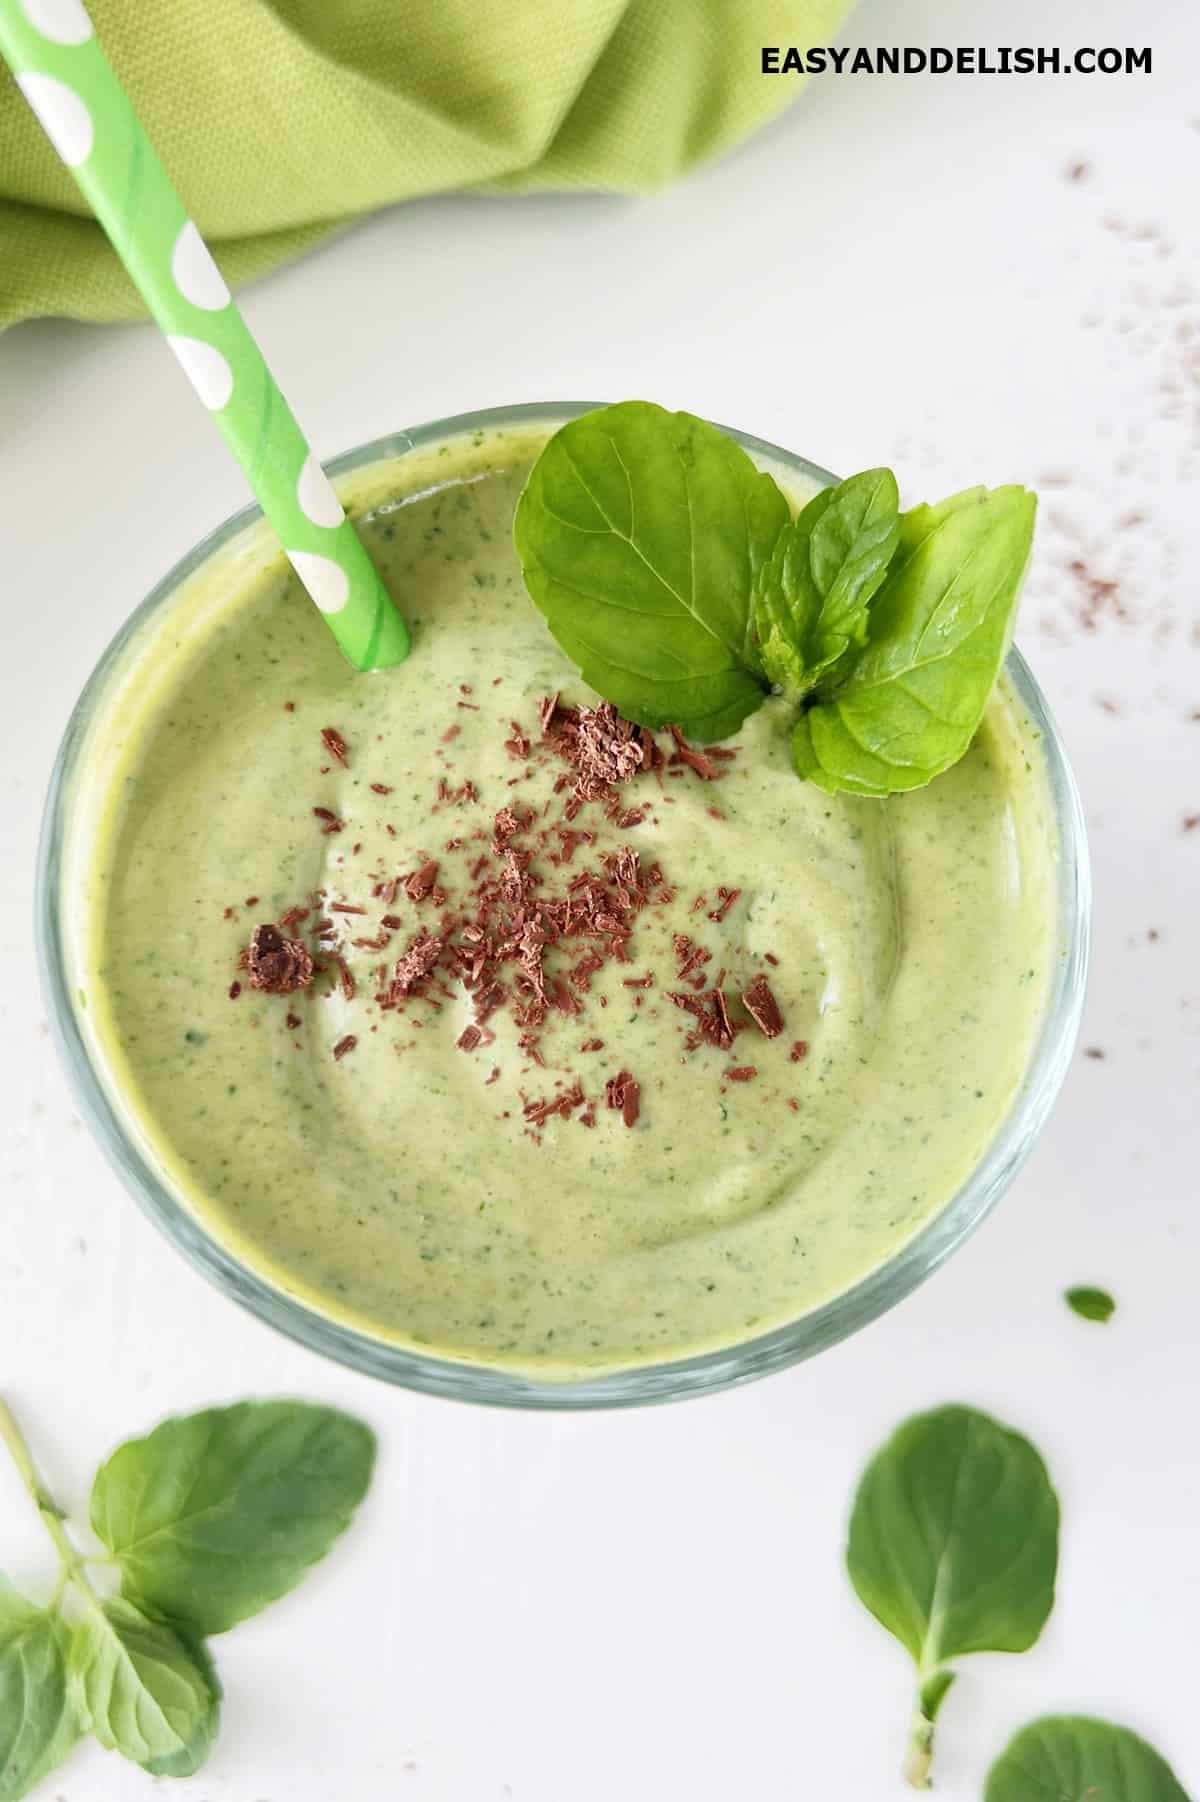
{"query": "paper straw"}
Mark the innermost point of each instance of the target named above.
(67, 79)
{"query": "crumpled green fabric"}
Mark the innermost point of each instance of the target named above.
(281, 120)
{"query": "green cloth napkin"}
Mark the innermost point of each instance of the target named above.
(282, 119)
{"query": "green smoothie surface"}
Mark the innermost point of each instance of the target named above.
(753, 1036)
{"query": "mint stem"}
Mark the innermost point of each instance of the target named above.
(918, 1759)
(51, 1514)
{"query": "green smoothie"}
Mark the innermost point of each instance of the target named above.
(594, 1056)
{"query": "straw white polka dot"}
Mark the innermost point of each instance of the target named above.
(65, 119)
(62, 21)
(206, 369)
(194, 272)
(326, 581)
(317, 499)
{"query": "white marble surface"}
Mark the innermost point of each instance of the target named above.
(652, 1605)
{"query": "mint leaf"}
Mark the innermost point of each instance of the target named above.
(812, 596)
(938, 631)
(38, 1723)
(143, 1690)
(1069, 1758)
(214, 1515)
(1091, 1304)
(640, 534)
(953, 1546)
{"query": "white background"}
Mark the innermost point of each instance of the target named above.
(652, 1605)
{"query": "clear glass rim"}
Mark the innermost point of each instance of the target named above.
(702, 1372)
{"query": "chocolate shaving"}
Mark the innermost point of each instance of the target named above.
(335, 744)
(763, 1008)
(623, 1092)
(741, 1073)
(798, 1052)
(538, 1112)
(343, 1046)
(332, 823)
(417, 963)
(711, 1014)
(422, 880)
(277, 965)
(469, 1038)
(703, 763)
(725, 900)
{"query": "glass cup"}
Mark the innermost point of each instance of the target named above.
(245, 536)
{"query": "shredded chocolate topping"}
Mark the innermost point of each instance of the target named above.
(414, 967)
(603, 749)
(623, 1093)
(343, 1046)
(335, 744)
(277, 966)
(422, 881)
(763, 1008)
(703, 763)
(711, 1014)
(538, 1112)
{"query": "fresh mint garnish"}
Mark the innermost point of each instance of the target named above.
(953, 1546)
(641, 533)
(1070, 1758)
(812, 596)
(207, 1519)
(940, 626)
(672, 574)
(1091, 1304)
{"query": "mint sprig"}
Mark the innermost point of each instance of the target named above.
(205, 1521)
(670, 570)
(953, 1547)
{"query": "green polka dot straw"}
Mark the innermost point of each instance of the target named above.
(70, 85)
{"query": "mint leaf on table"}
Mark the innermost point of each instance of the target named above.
(953, 1546)
(812, 596)
(208, 1518)
(1070, 1758)
(38, 1722)
(214, 1515)
(143, 1690)
(640, 533)
(1091, 1304)
(940, 627)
